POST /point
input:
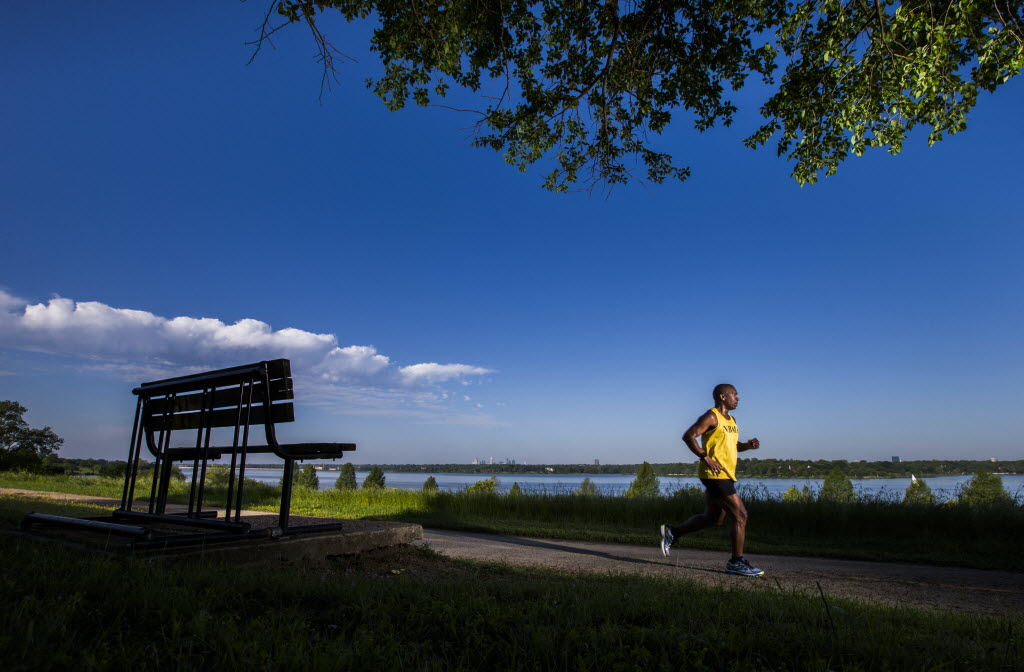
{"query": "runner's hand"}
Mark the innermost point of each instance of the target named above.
(713, 465)
(754, 444)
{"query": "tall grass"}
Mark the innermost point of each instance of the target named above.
(877, 528)
(73, 611)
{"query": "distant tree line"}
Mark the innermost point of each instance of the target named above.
(448, 468)
(769, 468)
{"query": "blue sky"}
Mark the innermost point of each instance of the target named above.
(166, 208)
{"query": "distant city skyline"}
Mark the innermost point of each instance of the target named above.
(490, 460)
(168, 208)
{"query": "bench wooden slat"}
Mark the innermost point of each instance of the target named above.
(277, 368)
(317, 447)
(280, 389)
(222, 418)
(293, 450)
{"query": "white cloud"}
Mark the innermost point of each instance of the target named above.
(136, 341)
(8, 301)
(438, 373)
(355, 360)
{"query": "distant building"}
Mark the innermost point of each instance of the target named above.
(597, 463)
(476, 460)
(896, 458)
(992, 459)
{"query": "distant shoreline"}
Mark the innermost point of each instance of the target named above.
(747, 468)
(386, 469)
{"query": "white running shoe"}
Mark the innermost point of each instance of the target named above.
(742, 568)
(666, 539)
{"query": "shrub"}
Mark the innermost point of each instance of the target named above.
(515, 490)
(307, 478)
(918, 493)
(114, 469)
(51, 464)
(837, 488)
(430, 485)
(374, 480)
(985, 489)
(486, 486)
(587, 488)
(347, 478)
(801, 496)
(646, 484)
(217, 474)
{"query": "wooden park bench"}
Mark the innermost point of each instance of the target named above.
(245, 399)
(242, 401)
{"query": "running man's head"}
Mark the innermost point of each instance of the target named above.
(726, 394)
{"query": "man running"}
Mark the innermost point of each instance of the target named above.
(717, 471)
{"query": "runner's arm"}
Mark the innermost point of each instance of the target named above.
(753, 444)
(704, 423)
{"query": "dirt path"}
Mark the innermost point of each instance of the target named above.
(955, 589)
(952, 588)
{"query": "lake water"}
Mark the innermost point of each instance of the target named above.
(944, 487)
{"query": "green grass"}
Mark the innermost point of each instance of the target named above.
(99, 486)
(258, 494)
(14, 508)
(64, 610)
(882, 530)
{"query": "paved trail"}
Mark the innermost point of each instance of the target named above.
(956, 589)
(952, 588)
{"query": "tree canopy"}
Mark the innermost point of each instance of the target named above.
(21, 446)
(586, 85)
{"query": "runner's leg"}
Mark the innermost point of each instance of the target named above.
(714, 515)
(738, 530)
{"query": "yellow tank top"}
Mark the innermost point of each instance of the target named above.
(720, 444)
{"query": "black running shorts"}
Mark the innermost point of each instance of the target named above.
(719, 488)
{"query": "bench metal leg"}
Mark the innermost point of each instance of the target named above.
(286, 493)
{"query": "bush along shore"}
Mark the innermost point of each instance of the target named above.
(981, 528)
